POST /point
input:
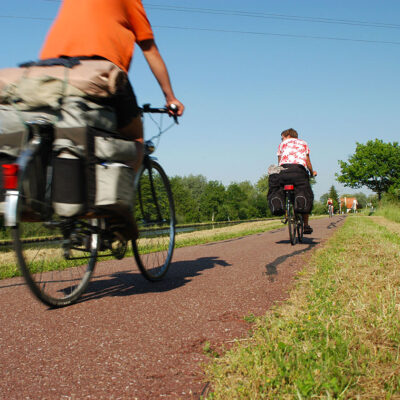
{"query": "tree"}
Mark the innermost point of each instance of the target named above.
(319, 207)
(186, 206)
(196, 184)
(375, 165)
(212, 202)
(361, 199)
(333, 194)
(235, 201)
(260, 202)
(187, 194)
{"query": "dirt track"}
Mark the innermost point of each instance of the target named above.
(128, 338)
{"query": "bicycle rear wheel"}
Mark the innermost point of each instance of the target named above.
(56, 255)
(155, 218)
(291, 223)
(300, 227)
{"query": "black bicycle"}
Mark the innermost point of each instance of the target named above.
(292, 218)
(57, 255)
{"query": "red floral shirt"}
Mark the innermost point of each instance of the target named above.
(293, 151)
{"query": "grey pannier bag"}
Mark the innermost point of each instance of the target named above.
(90, 171)
(114, 178)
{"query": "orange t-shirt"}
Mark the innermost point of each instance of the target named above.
(105, 28)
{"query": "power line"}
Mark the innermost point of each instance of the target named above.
(238, 32)
(272, 16)
(259, 14)
(279, 34)
(21, 17)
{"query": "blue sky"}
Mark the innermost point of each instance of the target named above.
(242, 88)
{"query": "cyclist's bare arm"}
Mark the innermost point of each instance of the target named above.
(309, 166)
(159, 70)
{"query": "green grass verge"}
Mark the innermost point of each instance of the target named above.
(339, 334)
(9, 268)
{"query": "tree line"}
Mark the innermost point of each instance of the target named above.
(200, 200)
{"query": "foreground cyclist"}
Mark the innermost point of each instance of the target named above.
(91, 32)
(294, 156)
(98, 30)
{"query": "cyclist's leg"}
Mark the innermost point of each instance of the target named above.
(129, 121)
(134, 131)
(129, 125)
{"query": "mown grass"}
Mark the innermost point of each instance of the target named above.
(228, 232)
(338, 337)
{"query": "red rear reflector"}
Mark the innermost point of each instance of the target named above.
(10, 176)
(289, 187)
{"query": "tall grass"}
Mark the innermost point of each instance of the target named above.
(389, 210)
(338, 337)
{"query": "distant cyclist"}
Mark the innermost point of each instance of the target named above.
(329, 203)
(294, 156)
(93, 30)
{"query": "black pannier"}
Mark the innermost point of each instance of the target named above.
(276, 195)
(303, 199)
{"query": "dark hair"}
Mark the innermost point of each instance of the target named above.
(290, 132)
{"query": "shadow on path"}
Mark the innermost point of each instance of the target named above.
(271, 268)
(333, 224)
(4, 283)
(129, 283)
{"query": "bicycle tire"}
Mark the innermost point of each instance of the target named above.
(300, 227)
(291, 223)
(155, 217)
(41, 249)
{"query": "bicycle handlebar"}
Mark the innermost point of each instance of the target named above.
(160, 110)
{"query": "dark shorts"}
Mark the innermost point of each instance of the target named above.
(125, 105)
(294, 173)
(297, 175)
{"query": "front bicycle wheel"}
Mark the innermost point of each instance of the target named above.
(300, 227)
(155, 218)
(291, 223)
(56, 255)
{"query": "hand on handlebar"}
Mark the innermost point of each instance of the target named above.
(175, 107)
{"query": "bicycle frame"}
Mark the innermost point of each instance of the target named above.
(293, 219)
